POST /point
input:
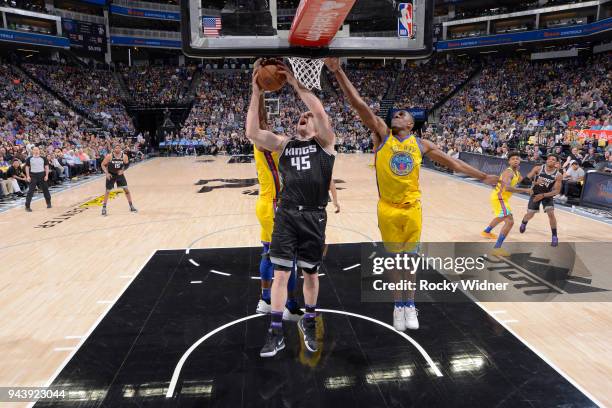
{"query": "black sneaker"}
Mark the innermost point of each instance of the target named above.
(28, 209)
(103, 210)
(48, 205)
(133, 209)
(308, 329)
(275, 342)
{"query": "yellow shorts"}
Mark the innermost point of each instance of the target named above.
(265, 214)
(400, 226)
(500, 207)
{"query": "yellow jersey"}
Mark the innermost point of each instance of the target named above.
(500, 192)
(266, 164)
(398, 164)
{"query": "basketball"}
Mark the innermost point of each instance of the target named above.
(269, 78)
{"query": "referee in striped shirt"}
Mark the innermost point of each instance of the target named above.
(37, 174)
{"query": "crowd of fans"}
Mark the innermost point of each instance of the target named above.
(513, 103)
(217, 118)
(218, 114)
(158, 85)
(94, 91)
(32, 117)
(425, 85)
(516, 100)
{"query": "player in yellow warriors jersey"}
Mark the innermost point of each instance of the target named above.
(266, 163)
(500, 197)
(399, 154)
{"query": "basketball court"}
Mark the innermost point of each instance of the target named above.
(157, 308)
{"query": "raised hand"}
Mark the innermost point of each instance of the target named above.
(286, 72)
(332, 63)
(491, 180)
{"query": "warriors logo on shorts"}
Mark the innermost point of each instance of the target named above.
(401, 163)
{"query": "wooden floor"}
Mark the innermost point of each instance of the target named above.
(57, 282)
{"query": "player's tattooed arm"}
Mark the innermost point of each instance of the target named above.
(434, 153)
(263, 115)
(367, 115)
(260, 137)
(529, 177)
(506, 182)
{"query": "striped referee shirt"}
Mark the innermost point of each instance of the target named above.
(36, 164)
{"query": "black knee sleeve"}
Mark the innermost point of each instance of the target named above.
(312, 270)
(282, 268)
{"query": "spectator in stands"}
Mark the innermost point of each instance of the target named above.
(572, 180)
(17, 175)
(94, 91)
(56, 169)
(590, 158)
(605, 164)
(6, 185)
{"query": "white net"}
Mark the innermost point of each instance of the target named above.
(307, 71)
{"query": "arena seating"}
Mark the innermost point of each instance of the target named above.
(94, 91)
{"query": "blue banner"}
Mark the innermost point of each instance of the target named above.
(417, 113)
(144, 42)
(492, 164)
(538, 35)
(36, 39)
(96, 2)
(156, 14)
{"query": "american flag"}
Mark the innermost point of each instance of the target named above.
(211, 26)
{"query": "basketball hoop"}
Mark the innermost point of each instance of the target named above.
(307, 71)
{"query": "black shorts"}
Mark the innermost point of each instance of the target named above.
(116, 179)
(547, 203)
(298, 235)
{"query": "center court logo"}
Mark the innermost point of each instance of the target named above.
(401, 163)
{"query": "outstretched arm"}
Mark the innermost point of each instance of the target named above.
(506, 182)
(528, 179)
(260, 137)
(368, 117)
(326, 135)
(437, 155)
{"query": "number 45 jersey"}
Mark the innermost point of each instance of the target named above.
(306, 171)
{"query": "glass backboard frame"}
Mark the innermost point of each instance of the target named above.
(195, 44)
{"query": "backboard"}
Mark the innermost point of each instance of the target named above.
(252, 28)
